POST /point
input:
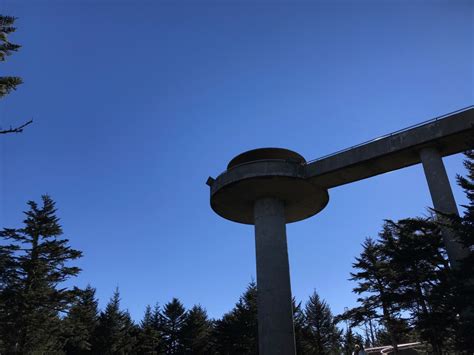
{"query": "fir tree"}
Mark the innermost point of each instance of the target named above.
(464, 228)
(299, 326)
(197, 332)
(81, 322)
(8, 83)
(115, 333)
(237, 331)
(34, 264)
(321, 335)
(150, 339)
(174, 316)
(349, 342)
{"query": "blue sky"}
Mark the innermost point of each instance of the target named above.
(136, 103)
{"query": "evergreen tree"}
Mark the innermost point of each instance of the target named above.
(299, 326)
(8, 83)
(321, 335)
(375, 279)
(464, 228)
(174, 316)
(362, 315)
(34, 264)
(237, 331)
(81, 322)
(422, 277)
(197, 332)
(406, 271)
(405, 334)
(115, 333)
(349, 342)
(150, 339)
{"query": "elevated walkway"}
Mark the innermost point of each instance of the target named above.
(449, 134)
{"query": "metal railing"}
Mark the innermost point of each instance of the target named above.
(389, 348)
(431, 120)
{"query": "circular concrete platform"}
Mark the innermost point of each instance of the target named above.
(266, 172)
(266, 154)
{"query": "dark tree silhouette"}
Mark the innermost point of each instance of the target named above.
(173, 319)
(237, 331)
(115, 332)
(9, 83)
(464, 229)
(320, 334)
(81, 322)
(374, 278)
(34, 263)
(150, 338)
(349, 341)
(422, 276)
(197, 332)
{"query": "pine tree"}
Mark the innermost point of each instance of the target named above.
(81, 322)
(115, 333)
(8, 83)
(237, 331)
(34, 264)
(174, 316)
(197, 332)
(321, 335)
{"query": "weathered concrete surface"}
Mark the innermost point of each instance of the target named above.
(450, 135)
(234, 192)
(266, 154)
(275, 315)
(443, 199)
(270, 187)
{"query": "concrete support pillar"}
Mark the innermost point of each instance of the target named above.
(275, 313)
(443, 199)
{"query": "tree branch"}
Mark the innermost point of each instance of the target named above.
(18, 129)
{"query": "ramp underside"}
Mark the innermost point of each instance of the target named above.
(450, 135)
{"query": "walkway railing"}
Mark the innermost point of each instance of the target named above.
(388, 348)
(431, 120)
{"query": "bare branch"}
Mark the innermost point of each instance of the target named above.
(18, 129)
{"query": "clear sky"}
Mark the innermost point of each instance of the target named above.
(136, 103)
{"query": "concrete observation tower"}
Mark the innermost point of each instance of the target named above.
(270, 187)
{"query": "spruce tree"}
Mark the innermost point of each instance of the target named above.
(9, 83)
(321, 334)
(464, 228)
(150, 339)
(197, 332)
(173, 318)
(35, 262)
(115, 333)
(237, 331)
(81, 322)
(299, 326)
(349, 342)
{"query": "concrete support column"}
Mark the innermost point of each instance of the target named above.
(275, 313)
(443, 199)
